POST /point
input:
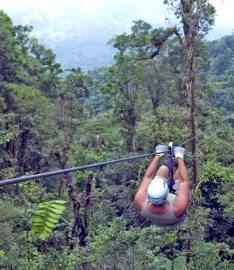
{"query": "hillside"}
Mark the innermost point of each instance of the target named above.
(77, 41)
(86, 52)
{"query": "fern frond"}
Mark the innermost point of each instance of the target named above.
(46, 217)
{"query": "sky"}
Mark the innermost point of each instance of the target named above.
(56, 17)
(78, 30)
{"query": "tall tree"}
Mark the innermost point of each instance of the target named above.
(122, 90)
(24, 60)
(221, 73)
(197, 17)
(160, 63)
(28, 126)
(11, 59)
(70, 114)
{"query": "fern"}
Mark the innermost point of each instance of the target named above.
(46, 217)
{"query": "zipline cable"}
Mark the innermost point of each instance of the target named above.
(198, 135)
(80, 168)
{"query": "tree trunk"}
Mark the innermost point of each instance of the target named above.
(22, 150)
(188, 250)
(77, 223)
(190, 22)
(87, 216)
(190, 26)
(129, 143)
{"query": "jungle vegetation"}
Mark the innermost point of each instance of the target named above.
(167, 84)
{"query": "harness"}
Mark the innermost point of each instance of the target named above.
(171, 181)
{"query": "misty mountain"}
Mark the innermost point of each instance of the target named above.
(85, 46)
(81, 41)
(86, 51)
(77, 42)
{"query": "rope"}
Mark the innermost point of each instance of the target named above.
(52, 173)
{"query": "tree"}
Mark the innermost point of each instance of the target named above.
(11, 59)
(221, 74)
(157, 53)
(27, 123)
(43, 68)
(24, 60)
(70, 114)
(123, 91)
(196, 17)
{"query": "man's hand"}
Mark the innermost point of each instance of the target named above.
(179, 152)
(160, 150)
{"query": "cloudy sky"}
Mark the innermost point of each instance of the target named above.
(78, 30)
(56, 17)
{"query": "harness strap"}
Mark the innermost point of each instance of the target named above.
(170, 166)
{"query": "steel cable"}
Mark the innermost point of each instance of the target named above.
(52, 173)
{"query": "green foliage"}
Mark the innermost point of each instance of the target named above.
(204, 11)
(212, 183)
(132, 106)
(221, 72)
(216, 189)
(58, 260)
(97, 134)
(121, 246)
(28, 124)
(125, 96)
(207, 256)
(7, 134)
(214, 179)
(221, 55)
(177, 264)
(11, 60)
(144, 42)
(13, 232)
(32, 192)
(46, 217)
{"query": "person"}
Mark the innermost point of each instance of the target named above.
(153, 198)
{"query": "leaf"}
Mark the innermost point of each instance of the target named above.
(59, 202)
(37, 219)
(55, 211)
(57, 207)
(53, 215)
(2, 253)
(50, 224)
(35, 213)
(52, 220)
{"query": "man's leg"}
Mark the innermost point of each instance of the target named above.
(177, 175)
(176, 186)
(177, 178)
(163, 171)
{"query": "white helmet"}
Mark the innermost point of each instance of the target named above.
(158, 190)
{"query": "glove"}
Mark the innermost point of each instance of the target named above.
(159, 149)
(179, 152)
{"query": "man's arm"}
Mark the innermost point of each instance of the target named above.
(182, 200)
(149, 175)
